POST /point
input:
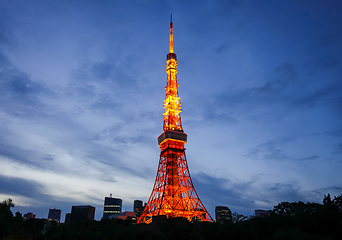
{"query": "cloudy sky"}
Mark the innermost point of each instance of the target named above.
(82, 90)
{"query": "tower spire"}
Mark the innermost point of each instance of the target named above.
(172, 118)
(171, 35)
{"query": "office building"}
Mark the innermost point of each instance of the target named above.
(67, 218)
(223, 214)
(54, 215)
(111, 207)
(124, 216)
(29, 215)
(138, 208)
(82, 213)
(261, 213)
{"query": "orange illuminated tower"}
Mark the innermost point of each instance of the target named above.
(173, 193)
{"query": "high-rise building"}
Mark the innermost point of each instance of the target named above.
(173, 194)
(261, 213)
(112, 206)
(29, 215)
(223, 214)
(67, 218)
(82, 213)
(54, 215)
(127, 215)
(138, 208)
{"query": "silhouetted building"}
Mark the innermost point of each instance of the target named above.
(138, 208)
(82, 213)
(54, 215)
(261, 213)
(29, 215)
(112, 206)
(222, 214)
(124, 216)
(67, 218)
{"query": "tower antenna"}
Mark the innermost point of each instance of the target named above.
(171, 35)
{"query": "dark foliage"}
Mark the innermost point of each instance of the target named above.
(6, 219)
(296, 220)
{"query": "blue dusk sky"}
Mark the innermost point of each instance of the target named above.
(82, 91)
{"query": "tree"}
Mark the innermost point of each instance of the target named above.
(338, 202)
(238, 217)
(6, 217)
(284, 209)
(327, 200)
(296, 209)
(18, 218)
(8, 202)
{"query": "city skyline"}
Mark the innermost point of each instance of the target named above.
(82, 91)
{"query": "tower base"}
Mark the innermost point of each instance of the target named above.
(173, 194)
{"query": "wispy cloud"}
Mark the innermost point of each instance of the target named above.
(335, 133)
(315, 157)
(270, 150)
(338, 149)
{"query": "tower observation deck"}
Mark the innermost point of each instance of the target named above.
(173, 193)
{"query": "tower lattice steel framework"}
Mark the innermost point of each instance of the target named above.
(173, 193)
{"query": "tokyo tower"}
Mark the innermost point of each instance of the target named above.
(173, 193)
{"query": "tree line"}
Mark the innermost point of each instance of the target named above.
(287, 220)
